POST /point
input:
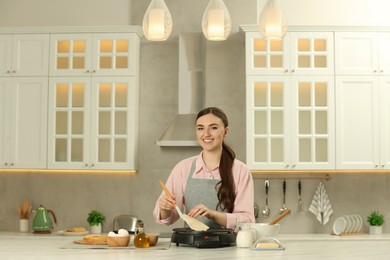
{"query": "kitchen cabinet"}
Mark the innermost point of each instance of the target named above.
(299, 53)
(362, 53)
(24, 54)
(23, 122)
(97, 54)
(363, 122)
(290, 101)
(290, 122)
(363, 110)
(93, 123)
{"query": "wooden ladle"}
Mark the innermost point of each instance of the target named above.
(276, 220)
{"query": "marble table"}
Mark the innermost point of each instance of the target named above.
(28, 246)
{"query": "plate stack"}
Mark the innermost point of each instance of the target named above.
(348, 224)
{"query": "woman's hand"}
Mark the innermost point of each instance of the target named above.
(201, 210)
(166, 204)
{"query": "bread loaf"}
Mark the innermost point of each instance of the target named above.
(267, 245)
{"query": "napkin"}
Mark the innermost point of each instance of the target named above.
(320, 205)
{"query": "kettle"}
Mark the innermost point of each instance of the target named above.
(42, 222)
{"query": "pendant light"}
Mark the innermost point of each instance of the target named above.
(157, 22)
(216, 22)
(273, 21)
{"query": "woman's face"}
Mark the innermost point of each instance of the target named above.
(210, 132)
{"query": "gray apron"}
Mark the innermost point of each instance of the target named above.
(201, 191)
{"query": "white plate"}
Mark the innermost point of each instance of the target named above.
(68, 233)
(339, 226)
(359, 223)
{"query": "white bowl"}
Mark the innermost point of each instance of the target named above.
(260, 230)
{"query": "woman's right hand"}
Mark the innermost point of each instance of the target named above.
(166, 204)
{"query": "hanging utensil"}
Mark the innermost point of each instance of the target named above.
(276, 220)
(283, 209)
(193, 223)
(266, 210)
(299, 209)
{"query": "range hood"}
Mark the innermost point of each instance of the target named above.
(181, 132)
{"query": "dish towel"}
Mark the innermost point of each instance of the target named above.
(320, 205)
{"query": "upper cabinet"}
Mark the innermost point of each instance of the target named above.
(24, 54)
(98, 54)
(362, 53)
(363, 100)
(290, 101)
(299, 53)
(23, 122)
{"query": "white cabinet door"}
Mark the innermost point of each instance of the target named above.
(384, 54)
(313, 122)
(357, 122)
(24, 55)
(93, 123)
(268, 122)
(70, 54)
(106, 54)
(69, 123)
(299, 53)
(384, 141)
(5, 115)
(24, 129)
(356, 53)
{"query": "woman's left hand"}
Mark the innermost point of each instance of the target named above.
(201, 210)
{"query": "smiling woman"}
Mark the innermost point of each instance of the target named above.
(212, 186)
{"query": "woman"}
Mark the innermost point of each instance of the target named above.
(213, 185)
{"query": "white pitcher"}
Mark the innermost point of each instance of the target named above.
(244, 237)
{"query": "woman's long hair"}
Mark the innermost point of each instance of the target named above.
(226, 191)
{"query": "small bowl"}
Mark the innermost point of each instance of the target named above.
(265, 229)
(118, 241)
(153, 238)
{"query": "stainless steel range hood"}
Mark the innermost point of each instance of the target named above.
(181, 132)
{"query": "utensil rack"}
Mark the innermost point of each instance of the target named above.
(326, 177)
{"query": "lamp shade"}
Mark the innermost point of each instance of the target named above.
(157, 22)
(216, 22)
(273, 21)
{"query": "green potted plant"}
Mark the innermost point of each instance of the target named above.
(376, 220)
(95, 220)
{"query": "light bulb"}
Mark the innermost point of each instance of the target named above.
(273, 21)
(157, 22)
(216, 22)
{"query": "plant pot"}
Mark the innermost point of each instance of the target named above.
(375, 230)
(96, 229)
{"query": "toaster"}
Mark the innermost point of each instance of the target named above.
(128, 222)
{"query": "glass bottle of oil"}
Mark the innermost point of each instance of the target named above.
(141, 240)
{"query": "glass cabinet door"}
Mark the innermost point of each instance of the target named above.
(113, 54)
(69, 111)
(113, 102)
(312, 124)
(71, 54)
(268, 122)
(266, 57)
(311, 53)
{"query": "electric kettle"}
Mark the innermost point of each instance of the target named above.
(42, 222)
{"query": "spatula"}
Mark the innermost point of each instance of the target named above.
(193, 223)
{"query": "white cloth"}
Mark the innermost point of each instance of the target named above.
(320, 205)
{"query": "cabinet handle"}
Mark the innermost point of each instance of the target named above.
(287, 166)
(8, 71)
(376, 165)
(6, 164)
(87, 71)
(86, 165)
(94, 71)
(375, 71)
(383, 166)
(292, 71)
(14, 71)
(12, 164)
(293, 166)
(92, 165)
(285, 70)
(381, 71)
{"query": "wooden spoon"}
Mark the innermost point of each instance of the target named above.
(276, 220)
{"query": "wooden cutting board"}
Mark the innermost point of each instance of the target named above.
(85, 242)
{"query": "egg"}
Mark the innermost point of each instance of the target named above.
(111, 234)
(123, 232)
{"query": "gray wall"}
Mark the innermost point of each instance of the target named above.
(71, 196)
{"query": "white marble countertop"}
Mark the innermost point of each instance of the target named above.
(28, 246)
